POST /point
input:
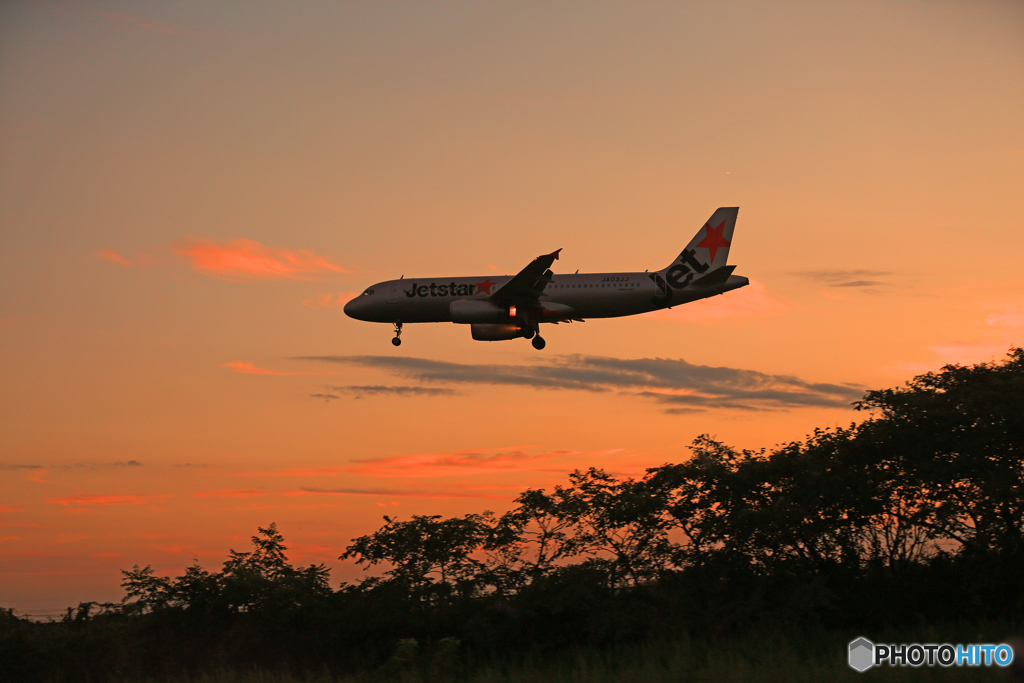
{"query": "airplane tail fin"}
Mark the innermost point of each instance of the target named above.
(707, 251)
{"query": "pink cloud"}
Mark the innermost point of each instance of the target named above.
(115, 258)
(835, 296)
(330, 300)
(243, 259)
(230, 493)
(311, 472)
(455, 463)
(38, 476)
(298, 472)
(967, 353)
(749, 301)
(250, 369)
(84, 499)
(1011, 317)
(411, 493)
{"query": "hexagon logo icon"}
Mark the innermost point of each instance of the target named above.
(862, 654)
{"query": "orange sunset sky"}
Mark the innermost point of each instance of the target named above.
(190, 191)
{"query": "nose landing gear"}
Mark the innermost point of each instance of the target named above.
(397, 341)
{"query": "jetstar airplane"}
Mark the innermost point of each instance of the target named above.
(499, 308)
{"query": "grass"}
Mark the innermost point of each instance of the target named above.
(764, 657)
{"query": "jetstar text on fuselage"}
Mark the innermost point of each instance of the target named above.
(450, 289)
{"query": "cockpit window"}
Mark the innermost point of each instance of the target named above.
(368, 292)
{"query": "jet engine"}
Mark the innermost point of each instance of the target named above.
(470, 311)
(497, 332)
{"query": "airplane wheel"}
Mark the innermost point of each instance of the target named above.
(396, 341)
(539, 343)
(528, 333)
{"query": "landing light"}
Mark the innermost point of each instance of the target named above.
(512, 311)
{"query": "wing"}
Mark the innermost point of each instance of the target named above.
(527, 286)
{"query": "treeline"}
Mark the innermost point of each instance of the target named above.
(913, 516)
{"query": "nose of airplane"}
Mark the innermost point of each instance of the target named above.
(352, 308)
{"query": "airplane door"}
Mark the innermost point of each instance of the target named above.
(393, 292)
(664, 293)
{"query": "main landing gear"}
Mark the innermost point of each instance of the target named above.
(534, 334)
(397, 341)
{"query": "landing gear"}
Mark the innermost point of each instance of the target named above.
(539, 343)
(397, 341)
(529, 332)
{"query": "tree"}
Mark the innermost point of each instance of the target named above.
(144, 590)
(259, 580)
(957, 437)
(430, 557)
(263, 579)
(622, 522)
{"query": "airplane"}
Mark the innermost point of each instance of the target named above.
(501, 308)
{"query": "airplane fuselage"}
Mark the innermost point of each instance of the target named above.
(589, 295)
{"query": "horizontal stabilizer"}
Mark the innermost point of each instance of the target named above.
(718, 276)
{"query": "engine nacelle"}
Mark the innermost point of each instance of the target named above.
(496, 332)
(468, 311)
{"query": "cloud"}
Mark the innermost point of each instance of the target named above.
(851, 279)
(381, 390)
(967, 353)
(399, 493)
(250, 369)
(674, 383)
(84, 499)
(330, 300)
(231, 493)
(117, 259)
(455, 463)
(38, 473)
(1010, 317)
(326, 397)
(299, 472)
(751, 300)
(243, 259)
(955, 353)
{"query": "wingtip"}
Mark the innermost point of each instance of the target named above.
(555, 253)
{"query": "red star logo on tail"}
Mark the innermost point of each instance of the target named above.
(713, 239)
(485, 286)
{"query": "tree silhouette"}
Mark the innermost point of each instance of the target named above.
(429, 556)
(957, 437)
